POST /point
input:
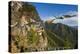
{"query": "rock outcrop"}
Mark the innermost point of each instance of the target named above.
(27, 31)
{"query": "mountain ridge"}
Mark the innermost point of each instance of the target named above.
(64, 32)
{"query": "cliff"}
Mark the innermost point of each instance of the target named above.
(27, 31)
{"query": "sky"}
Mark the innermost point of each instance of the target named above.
(48, 11)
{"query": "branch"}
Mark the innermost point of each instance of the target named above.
(14, 24)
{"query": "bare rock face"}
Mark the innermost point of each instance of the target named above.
(25, 24)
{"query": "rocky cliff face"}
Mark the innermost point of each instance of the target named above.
(27, 31)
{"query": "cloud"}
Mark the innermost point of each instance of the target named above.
(48, 18)
(73, 21)
(68, 21)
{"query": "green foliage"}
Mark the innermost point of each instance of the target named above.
(28, 8)
(58, 32)
(32, 36)
(67, 43)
